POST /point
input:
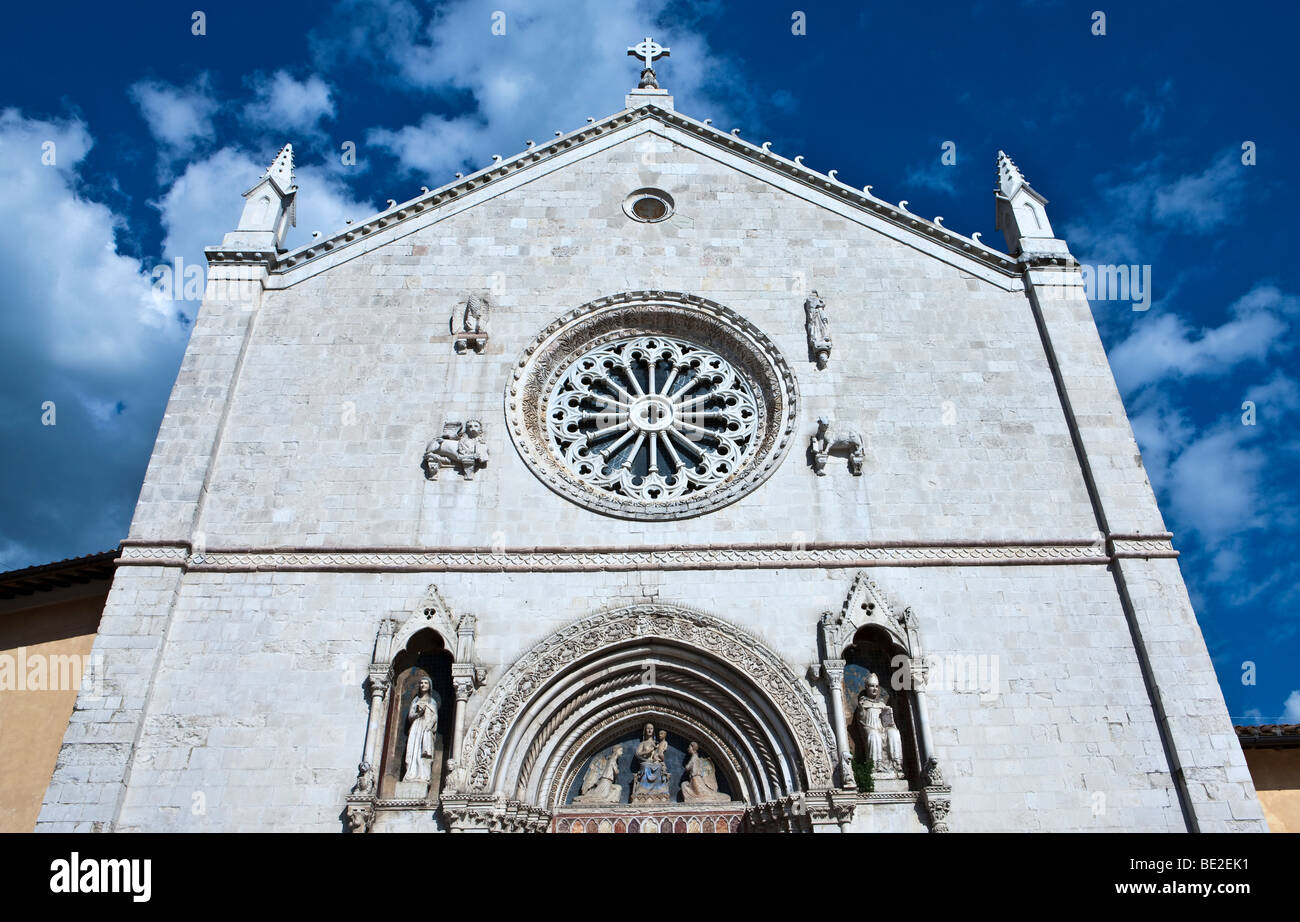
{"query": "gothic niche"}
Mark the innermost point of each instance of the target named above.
(881, 716)
(421, 712)
(649, 767)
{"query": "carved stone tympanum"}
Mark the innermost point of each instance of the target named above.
(461, 446)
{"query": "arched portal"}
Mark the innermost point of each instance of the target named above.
(697, 676)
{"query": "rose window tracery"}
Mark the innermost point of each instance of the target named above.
(652, 418)
(652, 405)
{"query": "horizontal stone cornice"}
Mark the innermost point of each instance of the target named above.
(813, 554)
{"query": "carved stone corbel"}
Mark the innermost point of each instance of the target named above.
(937, 801)
(361, 817)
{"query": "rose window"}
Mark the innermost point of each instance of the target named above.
(651, 405)
(652, 418)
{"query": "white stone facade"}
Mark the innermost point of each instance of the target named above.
(285, 517)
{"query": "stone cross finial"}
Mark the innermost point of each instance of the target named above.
(652, 51)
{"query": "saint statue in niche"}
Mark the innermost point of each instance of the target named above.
(423, 716)
(701, 780)
(599, 785)
(875, 718)
(651, 781)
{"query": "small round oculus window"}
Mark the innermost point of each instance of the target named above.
(649, 206)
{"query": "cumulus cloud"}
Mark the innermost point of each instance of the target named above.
(560, 66)
(285, 104)
(1166, 346)
(179, 118)
(1291, 710)
(1218, 481)
(86, 338)
(1137, 211)
(205, 201)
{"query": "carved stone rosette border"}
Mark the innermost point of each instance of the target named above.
(699, 321)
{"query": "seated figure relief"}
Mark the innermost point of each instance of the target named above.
(651, 784)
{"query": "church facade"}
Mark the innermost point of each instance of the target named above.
(648, 481)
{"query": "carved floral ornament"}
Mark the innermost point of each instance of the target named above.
(652, 405)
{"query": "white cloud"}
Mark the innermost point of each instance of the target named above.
(204, 202)
(1280, 394)
(1165, 346)
(1137, 212)
(179, 118)
(1291, 710)
(565, 62)
(433, 147)
(1215, 484)
(933, 175)
(287, 105)
(81, 330)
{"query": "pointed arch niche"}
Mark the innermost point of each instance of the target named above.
(869, 636)
(410, 647)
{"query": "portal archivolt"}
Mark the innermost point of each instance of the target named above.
(694, 675)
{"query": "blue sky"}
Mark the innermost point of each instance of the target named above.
(1135, 136)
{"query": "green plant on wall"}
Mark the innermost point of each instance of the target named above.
(862, 774)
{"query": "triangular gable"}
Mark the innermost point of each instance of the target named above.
(503, 174)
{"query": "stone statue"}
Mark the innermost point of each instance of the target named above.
(472, 332)
(365, 780)
(461, 447)
(600, 785)
(423, 716)
(819, 329)
(836, 439)
(454, 779)
(651, 781)
(875, 719)
(701, 781)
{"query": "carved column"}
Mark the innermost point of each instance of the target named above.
(918, 677)
(464, 688)
(833, 670)
(379, 684)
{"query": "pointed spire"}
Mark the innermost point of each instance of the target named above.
(1009, 176)
(1022, 215)
(281, 169)
(270, 207)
